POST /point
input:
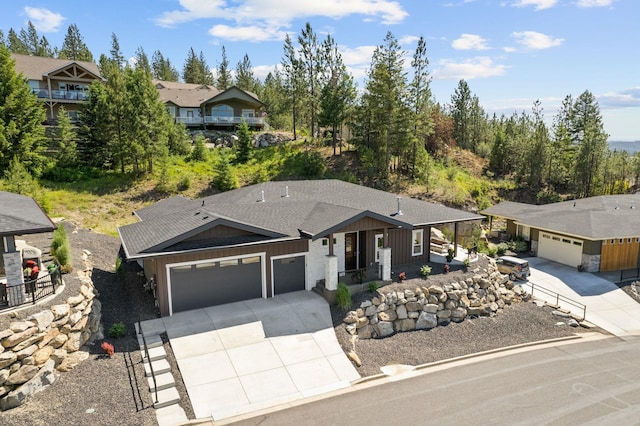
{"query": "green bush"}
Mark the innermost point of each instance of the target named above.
(63, 256)
(59, 239)
(466, 262)
(184, 183)
(373, 286)
(117, 330)
(425, 270)
(492, 251)
(501, 249)
(118, 265)
(343, 297)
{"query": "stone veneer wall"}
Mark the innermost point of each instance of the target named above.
(428, 306)
(49, 340)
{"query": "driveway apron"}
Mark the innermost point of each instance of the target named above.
(251, 355)
(607, 305)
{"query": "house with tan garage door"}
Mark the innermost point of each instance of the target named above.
(598, 233)
(276, 237)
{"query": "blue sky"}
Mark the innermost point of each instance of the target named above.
(511, 52)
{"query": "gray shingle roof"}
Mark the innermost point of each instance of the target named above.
(35, 67)
(315, 207)
(594, 218)
(22, 215)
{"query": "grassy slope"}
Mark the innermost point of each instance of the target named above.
(104, 203)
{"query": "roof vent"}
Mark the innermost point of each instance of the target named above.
(633, 206)
(262, 196)
(399, 212)
(617, 205)
(286, 191)
(202, 203)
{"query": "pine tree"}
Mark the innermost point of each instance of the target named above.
(461, 103)
(15, 44)
(224, 79)
(276, 102)
(196, 70)
(162, 68)
(74, 47)
(245, 145)
(244, 75)
(311, 64)
(224, 178)
(338, 91)
(65, 143)
(420, 100)
(293, 81)
(116, 54)
(21, 116)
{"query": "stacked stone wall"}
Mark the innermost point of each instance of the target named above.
(49, 340)
(423, 307)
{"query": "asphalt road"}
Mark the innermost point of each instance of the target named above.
(588, 383)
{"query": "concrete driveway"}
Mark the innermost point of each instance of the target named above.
(608, 307)
(251, 355)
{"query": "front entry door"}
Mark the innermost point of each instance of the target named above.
(350, 251)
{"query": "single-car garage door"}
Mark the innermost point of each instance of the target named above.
(289, 274)
(561, 249)
(215, 282)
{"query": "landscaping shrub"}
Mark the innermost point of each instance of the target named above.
(59, 239)
(373, 286)
(343, 297)
(425, 270)
(108, 348)
(501, 249)
(63, 257)
(117, 330)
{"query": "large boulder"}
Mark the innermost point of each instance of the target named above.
(426, 321)
(40, 380)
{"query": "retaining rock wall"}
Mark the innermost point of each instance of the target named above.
(426, 306)
(49, 340)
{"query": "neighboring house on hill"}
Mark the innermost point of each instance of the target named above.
(207, 107)
(277, 237)
(58, 82)
(598, 233)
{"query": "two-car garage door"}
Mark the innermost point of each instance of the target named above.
(226, 280)
(215, 282)
(561, 249)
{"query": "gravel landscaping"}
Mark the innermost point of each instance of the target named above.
(113, 391)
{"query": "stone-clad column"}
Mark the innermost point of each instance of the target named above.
(331, 273)
(385, 262)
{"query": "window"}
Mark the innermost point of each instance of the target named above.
(379, 245)
(248, 113)
(171, 110)
(221, 111)
(416, 239)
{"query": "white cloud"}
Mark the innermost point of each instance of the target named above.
(594, 3)
(626, 98)
(470, 42)
(539, 4)
(248, 33)
(43, 19)
(280, 13)
(408, 39)
(360, 55)
(535, 40)
(478, 67)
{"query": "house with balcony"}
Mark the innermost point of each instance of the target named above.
(58, 82)
(205, 107)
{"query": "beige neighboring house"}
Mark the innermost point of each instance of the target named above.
(58, 82)
(199, 105)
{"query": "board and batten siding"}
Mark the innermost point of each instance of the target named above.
(220, 231)
(401, 243)
(157, 266)
(619, 254)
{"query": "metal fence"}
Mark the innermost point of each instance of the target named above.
(558, 298)
(29, 292)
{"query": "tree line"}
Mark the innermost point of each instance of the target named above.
(394, 122)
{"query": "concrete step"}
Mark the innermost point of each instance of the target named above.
(163, 381)
(172, 415)
(153, 340)
(166, 397)
(155, 353)
(160, 366)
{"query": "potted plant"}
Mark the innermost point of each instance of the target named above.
(450, 255)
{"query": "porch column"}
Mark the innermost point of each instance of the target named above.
(455, 238)
(428, 243)
(13, 271)
(385, 263)
(331, 272)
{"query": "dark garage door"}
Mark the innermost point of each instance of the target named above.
(215, 283)
(288, 274)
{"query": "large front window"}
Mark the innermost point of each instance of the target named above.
(221, 111)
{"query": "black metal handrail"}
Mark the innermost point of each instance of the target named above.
(31, 291)
(558, 297)
(146, 353)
